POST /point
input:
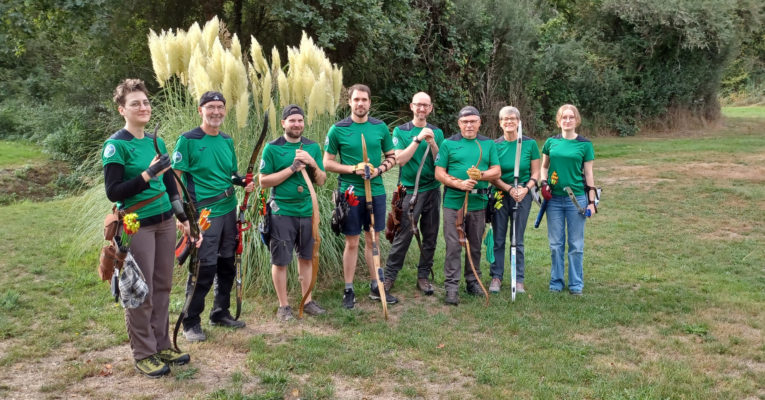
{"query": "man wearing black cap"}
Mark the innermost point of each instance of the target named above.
(291, 207)
(205, 159)
(466, 163)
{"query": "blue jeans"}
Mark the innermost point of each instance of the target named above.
(501, 222)
(562, 217)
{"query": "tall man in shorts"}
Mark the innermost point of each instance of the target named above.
(291, 207)
(204, 157)
(411, 140)
(459, 169)
(344, 140)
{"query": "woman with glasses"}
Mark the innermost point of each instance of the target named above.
(567, 167)
(135, 179)
(528, 175)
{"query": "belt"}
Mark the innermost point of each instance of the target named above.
(211, 200)
(473, 191)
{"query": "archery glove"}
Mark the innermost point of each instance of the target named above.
(474, 173)
(162, 163)
(546, 191)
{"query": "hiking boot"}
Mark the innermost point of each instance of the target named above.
(374, 294)
(349, 298)
(576, 293)
(474, 288)
(172, 357)
(194, 334)
(452, 297)
(495, 285)
(424, 285)
(519, 288)
(313, 308)
(228, 321)
(284, 314)
(388, 285)
(152, 367)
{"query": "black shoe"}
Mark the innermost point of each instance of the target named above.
(452, 298)
(374, 294)
(349, 298)
(228, 321)
(474, 288)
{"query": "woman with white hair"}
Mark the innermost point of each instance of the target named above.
(528, 175)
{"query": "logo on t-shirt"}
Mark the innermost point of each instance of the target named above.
(177, 157)
(438, 156)
(395, 141)
(109, 150)
(326, 141)
(262, 163)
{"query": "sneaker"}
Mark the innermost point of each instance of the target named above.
(228, 321)
(519, 288)
(349, 298)
(284, 314)
(424, 285)
(374, 294)
(474, 288)
(152, 367)
(495, 285)
(313, 308)
(172, 357)
(576, 293)
(195, 334)
(452, 298)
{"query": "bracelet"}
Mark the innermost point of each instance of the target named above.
(418, 141)
(591, 202)
(535, 181)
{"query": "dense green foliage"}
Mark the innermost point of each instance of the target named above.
(626, 64)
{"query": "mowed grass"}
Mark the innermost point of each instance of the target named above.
(674, 293)
(744, 112)
(18, 153)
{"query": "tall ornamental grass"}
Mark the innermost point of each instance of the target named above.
(188, 63)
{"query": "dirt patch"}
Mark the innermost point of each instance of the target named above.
(33, 182)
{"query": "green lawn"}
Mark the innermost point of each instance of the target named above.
(15, 153)
(674, 293)
(744, 112)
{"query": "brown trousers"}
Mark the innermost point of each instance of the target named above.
(148, 325)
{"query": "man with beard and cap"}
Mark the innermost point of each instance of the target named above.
(411, 140)
(291, 207)
(204, 158)
(459, 169)
(344, 140)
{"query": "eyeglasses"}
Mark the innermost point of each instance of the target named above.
(568, 118)
(470, 121)
(509, 119)
(138, 104)
(422, 105)
(214, 108)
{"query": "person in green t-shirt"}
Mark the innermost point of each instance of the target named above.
(528, 175)
(411, 140)
(135, 178)
(465, 164)
(291, 207)
(205, 159)
(567, 162)
(343, 155)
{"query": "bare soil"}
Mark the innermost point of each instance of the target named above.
(33, 182)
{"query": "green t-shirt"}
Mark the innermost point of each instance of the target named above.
(402, 138)
(457, 155)
(344, 140)
(207, 162)
(136, 155)
(567, 158)
(292, 196)
(506, 153)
